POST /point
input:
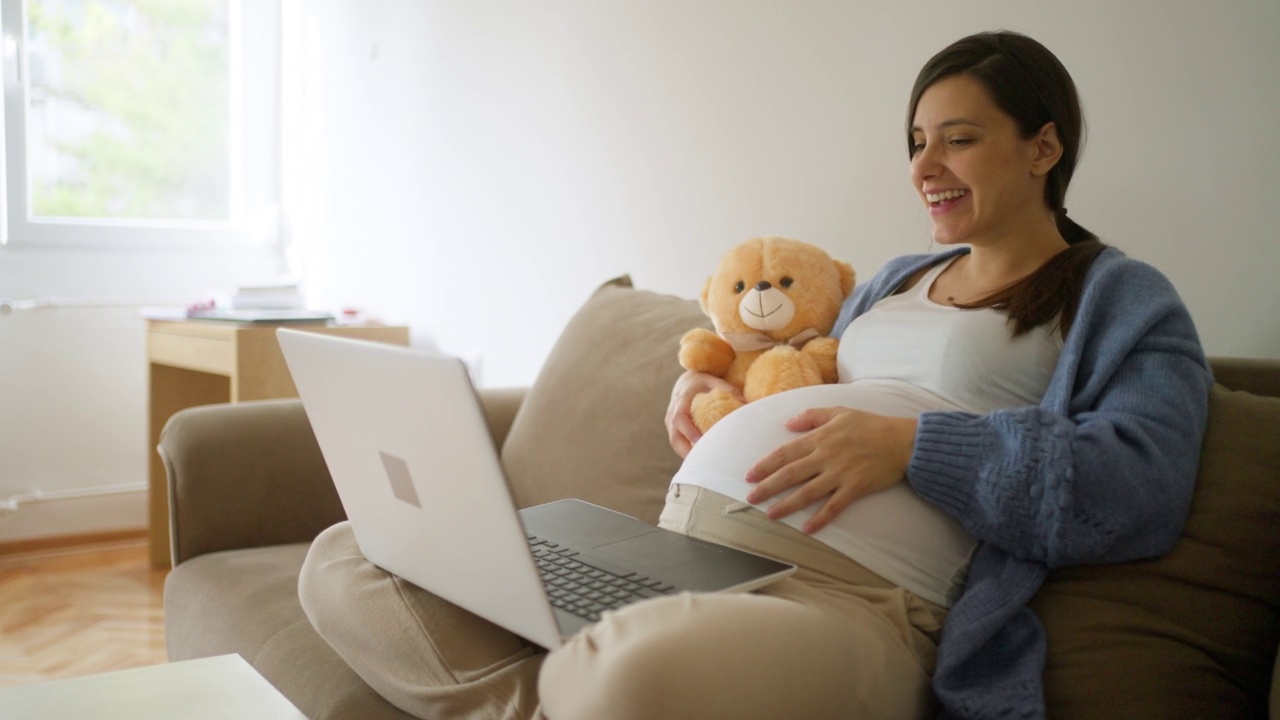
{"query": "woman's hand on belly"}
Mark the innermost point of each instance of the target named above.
(844, 455)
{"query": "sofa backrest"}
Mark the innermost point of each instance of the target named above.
(1193, 633)
(591, 425)
(1251, 375)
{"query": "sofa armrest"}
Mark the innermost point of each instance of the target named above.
(251, 474)
(244, 475)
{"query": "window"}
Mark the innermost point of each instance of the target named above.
(141, 122)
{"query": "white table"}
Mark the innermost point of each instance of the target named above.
(218, 688)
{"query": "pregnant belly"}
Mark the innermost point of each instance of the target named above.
(894, 533)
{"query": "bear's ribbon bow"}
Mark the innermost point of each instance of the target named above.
(749, 342)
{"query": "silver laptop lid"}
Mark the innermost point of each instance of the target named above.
(445, 521)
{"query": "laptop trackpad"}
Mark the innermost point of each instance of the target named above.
(657, 549)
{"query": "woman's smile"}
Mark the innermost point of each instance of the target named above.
(944, 201)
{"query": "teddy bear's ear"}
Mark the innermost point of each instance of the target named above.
(847, 276)
(706, 292)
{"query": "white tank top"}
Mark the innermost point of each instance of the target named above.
(966, 359)
(904, 356)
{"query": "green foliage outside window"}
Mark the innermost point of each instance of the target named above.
(141, 93)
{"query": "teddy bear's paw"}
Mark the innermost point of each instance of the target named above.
(780, 369)
(824, 350)
(704, 351)
(709, 407)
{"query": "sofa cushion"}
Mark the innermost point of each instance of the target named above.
(246, 602)
(1194, 633)
(592, 426)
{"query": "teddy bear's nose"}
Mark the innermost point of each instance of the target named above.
(763, 285)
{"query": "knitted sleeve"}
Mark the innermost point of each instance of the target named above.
(1103, 469)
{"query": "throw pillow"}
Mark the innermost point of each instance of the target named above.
(592, 426)
(1194, 633)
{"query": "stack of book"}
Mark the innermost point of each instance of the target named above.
(259, 303)
(262, 297)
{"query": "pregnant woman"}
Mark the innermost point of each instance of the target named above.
(1010, 406)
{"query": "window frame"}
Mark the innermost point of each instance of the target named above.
(254, 162)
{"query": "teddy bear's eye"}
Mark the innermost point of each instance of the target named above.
(739, 286)
(787, 282)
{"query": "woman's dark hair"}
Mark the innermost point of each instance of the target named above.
(1030, 85)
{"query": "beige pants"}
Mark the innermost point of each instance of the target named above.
(832, 641)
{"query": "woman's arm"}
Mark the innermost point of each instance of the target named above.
(1110, 478)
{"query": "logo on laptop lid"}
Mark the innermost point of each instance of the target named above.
(401, 483)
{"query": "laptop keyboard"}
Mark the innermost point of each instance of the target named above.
(585, 590)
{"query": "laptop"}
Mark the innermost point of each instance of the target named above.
(405, 438)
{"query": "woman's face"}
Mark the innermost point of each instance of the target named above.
(979, 179)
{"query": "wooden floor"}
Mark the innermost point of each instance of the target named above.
(79, 611)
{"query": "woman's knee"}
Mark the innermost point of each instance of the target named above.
(740, 656)
(690, 656)
(631, 665)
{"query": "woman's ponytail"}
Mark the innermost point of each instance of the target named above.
(1071, 231)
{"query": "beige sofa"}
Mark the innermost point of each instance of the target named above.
(1193, 634)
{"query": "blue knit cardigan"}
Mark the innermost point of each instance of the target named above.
(1101, 471)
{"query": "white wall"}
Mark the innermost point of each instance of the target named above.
(73, 379)
(479, 166)
(485, 164)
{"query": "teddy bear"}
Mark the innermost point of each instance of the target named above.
(773, 302)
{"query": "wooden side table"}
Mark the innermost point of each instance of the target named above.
(201, 362)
